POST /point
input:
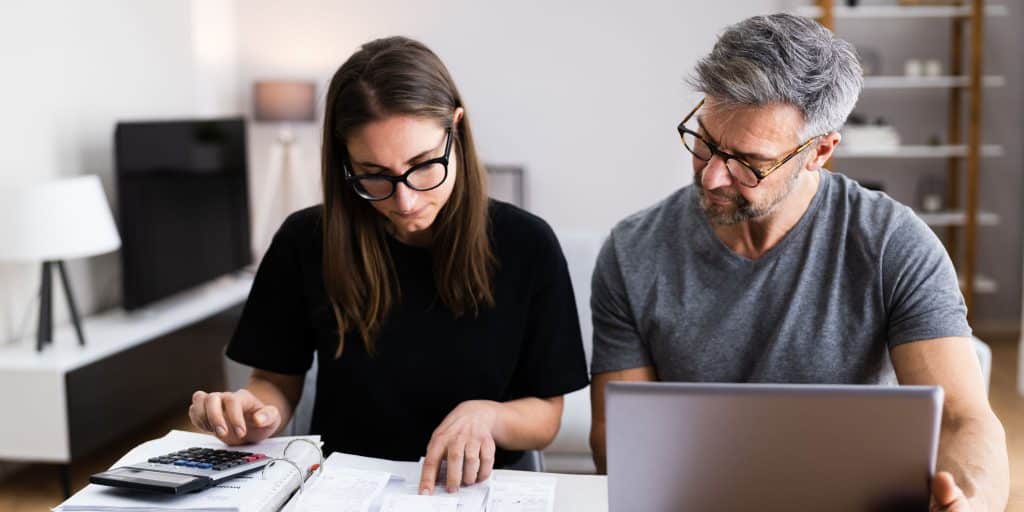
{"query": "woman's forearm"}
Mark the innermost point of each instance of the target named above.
(527, 423)
(278, 394)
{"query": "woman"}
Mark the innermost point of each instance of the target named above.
(444, 322)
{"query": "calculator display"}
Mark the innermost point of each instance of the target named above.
(153, 476)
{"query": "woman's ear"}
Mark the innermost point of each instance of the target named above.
(457, 117)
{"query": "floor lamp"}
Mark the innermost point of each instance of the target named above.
(282, 102)
(52, 222)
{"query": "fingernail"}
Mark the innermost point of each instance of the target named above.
(240, 431)
(260, 418)
(424, 492)
(221, 431)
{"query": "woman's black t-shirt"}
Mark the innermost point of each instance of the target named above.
(426, 361)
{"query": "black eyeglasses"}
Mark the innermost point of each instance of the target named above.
(746, 174)
(421, 177)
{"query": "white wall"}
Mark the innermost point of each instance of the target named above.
(585, 94)
(70, 71)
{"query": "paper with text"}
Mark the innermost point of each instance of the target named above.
(522, 493)
(340, 489)
(415, 503)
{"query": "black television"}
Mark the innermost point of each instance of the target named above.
(182, 204)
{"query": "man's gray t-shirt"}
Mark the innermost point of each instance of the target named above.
(856, 276)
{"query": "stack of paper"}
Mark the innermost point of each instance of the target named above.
(350, 483)
(254, 492)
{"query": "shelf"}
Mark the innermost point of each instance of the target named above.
(116, 330)
(982, 284)
(899, 11)
(928, 82)
(914, 151)
(956, 218)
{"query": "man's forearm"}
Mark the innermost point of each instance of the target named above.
(597, 447)
(973, 449)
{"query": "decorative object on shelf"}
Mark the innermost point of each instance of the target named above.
(52, 222)
(283, 102)
(933, 67)
(931, 194)
(929, 2)
(870, 61)
(859, 134)
(913, 67)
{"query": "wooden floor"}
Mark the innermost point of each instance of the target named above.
(36, 487)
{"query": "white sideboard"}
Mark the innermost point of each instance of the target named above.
(67, 400)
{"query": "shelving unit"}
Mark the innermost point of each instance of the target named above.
(963, 149)
(915, 151)
(957, 218)
(896, 11)
(928, 82)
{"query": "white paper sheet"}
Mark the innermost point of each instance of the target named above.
(405, 479)
(415, 503)
(525, 493)
(340, 489)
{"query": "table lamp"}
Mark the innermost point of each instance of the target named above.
(282, 102)
(52, 222)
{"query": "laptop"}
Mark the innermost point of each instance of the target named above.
(766, 447)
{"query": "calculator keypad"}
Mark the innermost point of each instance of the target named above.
(208, 458)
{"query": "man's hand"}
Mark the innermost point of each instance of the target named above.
(235, 418)
(946, 495)
(466, 440)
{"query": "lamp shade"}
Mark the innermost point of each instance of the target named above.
(284, 101)
(56, 220)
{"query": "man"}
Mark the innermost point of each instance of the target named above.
(770, 269)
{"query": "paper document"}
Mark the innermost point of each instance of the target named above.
(522, 493)
(414, 503)
(403, 482)
(342, 490)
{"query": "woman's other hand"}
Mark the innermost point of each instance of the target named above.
(465, 439)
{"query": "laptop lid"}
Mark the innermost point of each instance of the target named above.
(764, 447)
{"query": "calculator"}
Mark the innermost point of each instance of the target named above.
(183, 471)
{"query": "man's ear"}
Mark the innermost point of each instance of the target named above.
(822, 151)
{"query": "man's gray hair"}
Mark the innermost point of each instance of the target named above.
(786, 59)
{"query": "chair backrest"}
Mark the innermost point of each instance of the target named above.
(302, 417)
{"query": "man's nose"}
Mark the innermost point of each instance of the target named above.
(715, 174)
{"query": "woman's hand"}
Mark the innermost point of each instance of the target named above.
(466, 440)
(235, 418)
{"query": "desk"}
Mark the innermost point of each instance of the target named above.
(576, 492)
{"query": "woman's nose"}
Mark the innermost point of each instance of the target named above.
(405, 197)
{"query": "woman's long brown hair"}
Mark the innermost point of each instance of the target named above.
(387, 77)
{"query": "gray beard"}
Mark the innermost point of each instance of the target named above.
(744, 210)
